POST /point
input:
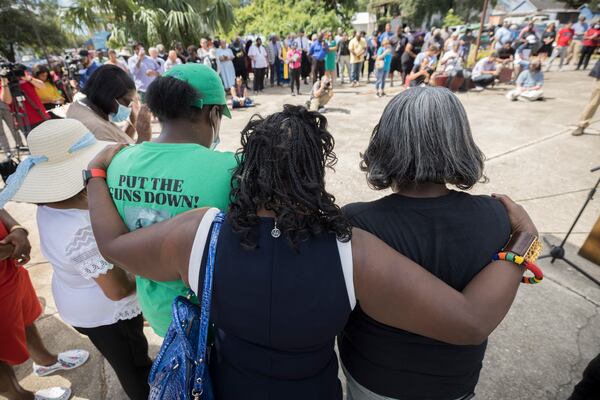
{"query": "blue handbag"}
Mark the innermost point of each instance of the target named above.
(180, 371)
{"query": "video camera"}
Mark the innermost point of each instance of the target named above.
(73, 66)
(13, 72)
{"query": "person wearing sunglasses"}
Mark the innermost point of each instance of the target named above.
(106, 108)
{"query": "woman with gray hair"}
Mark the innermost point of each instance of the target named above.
(421, 145)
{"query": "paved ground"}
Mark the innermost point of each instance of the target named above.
(553, 329)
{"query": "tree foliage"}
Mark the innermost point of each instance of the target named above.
(451, 19)
(18, 21)
(416, 11)
(153, 21)
(262, 17)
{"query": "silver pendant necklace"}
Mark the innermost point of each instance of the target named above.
(275, 232)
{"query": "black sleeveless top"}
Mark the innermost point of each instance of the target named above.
(276, 312)
(454, 237)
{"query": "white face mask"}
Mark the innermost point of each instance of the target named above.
(121, 115)
(215, 134)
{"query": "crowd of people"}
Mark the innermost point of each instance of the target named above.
(246, 65)
(130, 237)
(129, 216)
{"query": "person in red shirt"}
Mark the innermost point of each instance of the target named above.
(19, 308)
(32, 112)
(563, 39)
(590, 42)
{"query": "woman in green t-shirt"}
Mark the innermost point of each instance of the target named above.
(179, 171)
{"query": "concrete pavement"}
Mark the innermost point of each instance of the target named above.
(552, 330)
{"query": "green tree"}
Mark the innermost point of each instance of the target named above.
(19, 21)
(153, 21)
(283, 16)
(452, 19)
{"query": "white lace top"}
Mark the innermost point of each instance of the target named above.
(68, 243)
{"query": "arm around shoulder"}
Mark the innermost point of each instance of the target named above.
(398, 292)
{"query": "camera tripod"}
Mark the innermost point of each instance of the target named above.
(23, 121)
(558, 252)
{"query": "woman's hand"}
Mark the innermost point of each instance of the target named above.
(103, 159)
(143, 125)
(18, 241)
(520, 221)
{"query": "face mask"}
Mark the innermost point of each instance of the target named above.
(121, 115)
(216, 139)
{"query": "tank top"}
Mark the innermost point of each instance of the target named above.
(276, 311)
(454, 237)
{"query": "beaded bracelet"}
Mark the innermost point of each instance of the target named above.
(538, 275)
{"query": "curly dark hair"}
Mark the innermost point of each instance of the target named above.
(281, 168)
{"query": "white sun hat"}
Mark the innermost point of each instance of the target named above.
(60, 150)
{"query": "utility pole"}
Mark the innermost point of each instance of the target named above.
(481, 21)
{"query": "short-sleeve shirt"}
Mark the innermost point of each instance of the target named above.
(318, 50)
(591, 42)
(548, 35)
(343, 48)
(36, 112)
(503, 35)
(357, 50)
(68, 243)
(86, 73)
(294, 58)
(387, 59)
(579, 29)
(483, 65)
(260, 56)
(529, 79)
(421, 56)
(151, 182)
(102, 129)
(565, 35)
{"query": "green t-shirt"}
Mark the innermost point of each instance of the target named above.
(152, 182)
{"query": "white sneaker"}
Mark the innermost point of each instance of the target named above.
(478, 89)
(54, 393)
(67, 360)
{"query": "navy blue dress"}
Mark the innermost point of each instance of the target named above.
(277, 311)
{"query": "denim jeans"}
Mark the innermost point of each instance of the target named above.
(355, 71)
(356, 391)
(380, 78)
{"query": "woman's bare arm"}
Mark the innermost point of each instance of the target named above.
(398, 292)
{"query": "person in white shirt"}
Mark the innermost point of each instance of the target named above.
(304, 46)
(95, 297)
(172, 60)
(114, 60)
(153, 53)
(451, 65)
(485, 72)
(258, 55)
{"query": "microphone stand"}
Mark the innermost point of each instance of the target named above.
(558, 252)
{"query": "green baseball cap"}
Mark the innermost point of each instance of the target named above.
(205, 80)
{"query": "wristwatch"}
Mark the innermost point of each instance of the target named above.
(93, 173)
(524, 244)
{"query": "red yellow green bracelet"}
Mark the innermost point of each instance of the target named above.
(538, 275)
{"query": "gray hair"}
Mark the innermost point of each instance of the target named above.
(423, 136)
